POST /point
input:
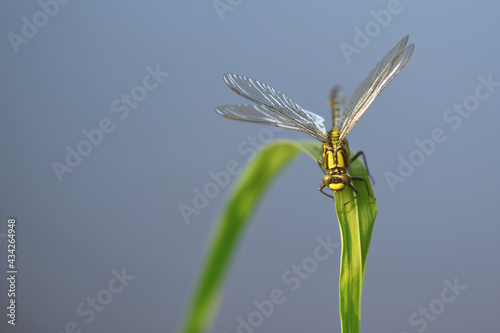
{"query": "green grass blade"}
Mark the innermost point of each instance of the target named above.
(356, 224)
(240, 207)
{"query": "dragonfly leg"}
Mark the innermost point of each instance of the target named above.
(321, 190)
(352, 199)
(366, 184)
(320, 163)
(354, 190)
(355, 157)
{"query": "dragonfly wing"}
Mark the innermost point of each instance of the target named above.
(318, 120)
(366, 92)
(285, 110)
(262, 115)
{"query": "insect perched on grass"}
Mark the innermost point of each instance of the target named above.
(274, 108)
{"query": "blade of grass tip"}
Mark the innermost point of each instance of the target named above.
(241, 205)
(356, 224)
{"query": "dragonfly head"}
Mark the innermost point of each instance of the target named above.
(336, 182)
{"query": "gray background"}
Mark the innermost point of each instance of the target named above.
(120, 207)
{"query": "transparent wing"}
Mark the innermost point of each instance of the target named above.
(275, 106)
(262, 115)
(366, 92)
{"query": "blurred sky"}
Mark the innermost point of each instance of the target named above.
(115, 212)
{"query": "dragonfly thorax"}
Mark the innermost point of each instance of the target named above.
(335, 155)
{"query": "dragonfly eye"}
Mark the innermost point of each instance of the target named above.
(327, 180)
(346, 179)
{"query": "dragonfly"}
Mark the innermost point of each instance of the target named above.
(271, 107)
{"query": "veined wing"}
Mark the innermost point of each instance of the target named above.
(287, 111)
(366, 92)
(262, 115)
